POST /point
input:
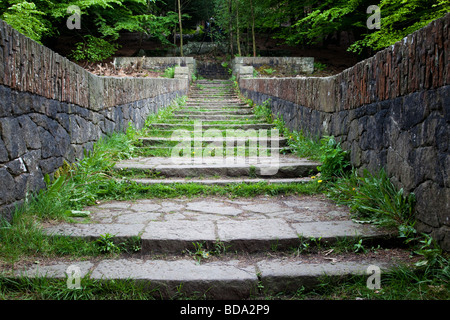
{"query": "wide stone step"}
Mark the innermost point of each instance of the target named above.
(219, 107)
(215, 112)
(191, 165)
(215, 101)
(221, 181)
(174, 126)
(213, 91)
(212, 94)
(218, 280)
(207, 117)
(281, 142)
(243, 225)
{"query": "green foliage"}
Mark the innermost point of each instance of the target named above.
(269, 71)
(27, 19)
(319, 66)
(374, 198)
(169, 72)
(398, 19)
(93, 49)
(264, 111)
(334, 160)
(106, 244)
(298, 142)
(102, 20)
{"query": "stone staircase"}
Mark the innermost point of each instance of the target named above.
(245, 246)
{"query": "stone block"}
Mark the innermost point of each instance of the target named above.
(3, 152)
(182, 73)
(246, 72)
(12, 137)
(5, 101)
(30, 132)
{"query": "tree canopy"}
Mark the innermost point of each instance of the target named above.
(294, 22)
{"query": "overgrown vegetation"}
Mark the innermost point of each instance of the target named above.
(371, 197)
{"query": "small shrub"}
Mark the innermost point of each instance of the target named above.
(169, 72)
(264, 112)
(106, 244)
(334, 160)
(319, 66)
(93, 49)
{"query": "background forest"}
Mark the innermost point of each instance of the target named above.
(169, 23)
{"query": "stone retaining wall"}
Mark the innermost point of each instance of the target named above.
(289, 66)
(212, 70)
(391, 111)
(52, 110)
(156, 63)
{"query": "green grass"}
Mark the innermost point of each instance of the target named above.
(43, 288)
(400, 283)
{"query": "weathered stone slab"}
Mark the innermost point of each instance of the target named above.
(256, 235)
(213, 207)
(330, 230)
(56, 270)
(175, 235)
(289, 276)
(94, 231)
(221, 280)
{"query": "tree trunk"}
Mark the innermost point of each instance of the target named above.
(238, 38)
(181, 28)
(230, 26)
(253, 28)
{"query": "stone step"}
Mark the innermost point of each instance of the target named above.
(207, 117)
(275, 166)
(173, 126)
(216, 107)
(233, 102)
(211, 90)
(261, 150)
(208, 94)
(219, 280)
(215, 112)
(234, 141)
(249, 225)
(213, 99)
(221, 181)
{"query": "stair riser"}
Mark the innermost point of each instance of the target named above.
(205, 143)
(236, 171)
(211, 126)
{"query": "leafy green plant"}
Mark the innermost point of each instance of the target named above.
(264, 111)
(432, 254)
(334, 160)
(199, 253)
(269, 71)
(93, 49)
(319, 66)
(106, 244)
(373, 198)
(359, 247)
(169, 72)
(27, 19)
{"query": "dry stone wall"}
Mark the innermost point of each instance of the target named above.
(390, 111)
(52, 110)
